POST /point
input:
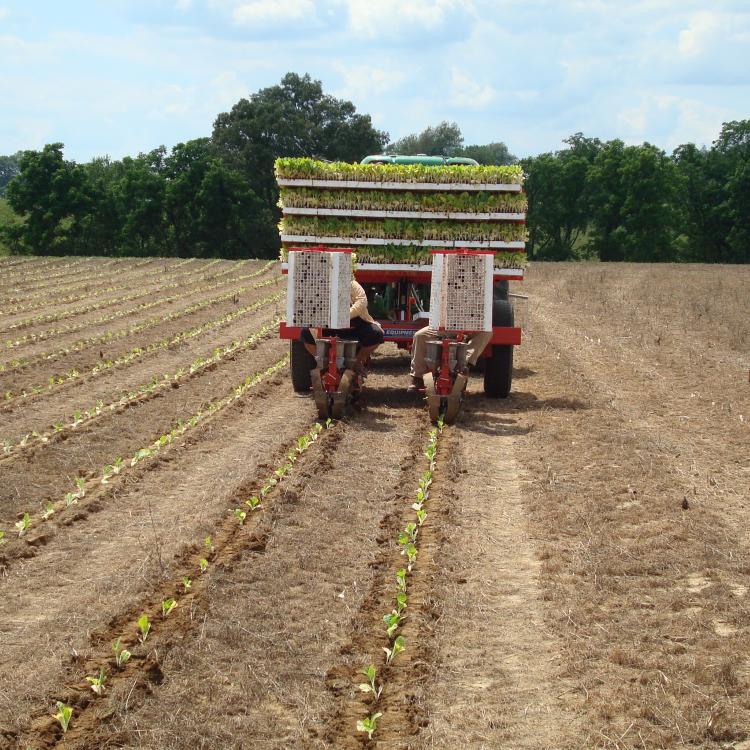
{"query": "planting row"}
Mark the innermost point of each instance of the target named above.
(378, 200)
(408, 542)
(109, 336)
(150, 389)
(302, 168)
(82, 309)
(81, 289)
(128, 653)
(138, 352)
(118, 465)
(70, 268)
(70, 328)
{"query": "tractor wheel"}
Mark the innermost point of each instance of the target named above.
(300, 363)
(498, 367)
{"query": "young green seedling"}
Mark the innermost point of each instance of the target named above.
(369, 724)
(63, 715)
(411, 554)
(391, 653)
(253, 503)
(203, 563)
(2, 537)
(49, 510)
(400, 601)
(392, 621)
(186, 583)
(121, 654)
(70, 499)
(421, 515)
(97, 683)
(144, 625)
(22, 526)
(81, 484)
(208, 544)
(167, 606)
(401, 580)
(370, 686)
(241, 515)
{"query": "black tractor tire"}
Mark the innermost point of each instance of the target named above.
(300, 363)
(498, 366)
(500, 290)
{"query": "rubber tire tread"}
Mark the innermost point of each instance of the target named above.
(498, 367)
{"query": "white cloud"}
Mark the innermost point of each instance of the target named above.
(4, 12)
(360, 81)
(183, 5)
(369, 18)
(466, 92)
(261, 12)
(701, 29)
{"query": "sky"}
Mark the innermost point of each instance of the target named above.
(119, 77)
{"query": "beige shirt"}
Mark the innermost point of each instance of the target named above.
(359, 304)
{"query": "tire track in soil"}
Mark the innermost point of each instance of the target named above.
(118, 560)
(44, 475)
(108, 384)
(41, 348)
(495, 672)
(255, 670)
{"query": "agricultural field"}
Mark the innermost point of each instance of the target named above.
(188, 560)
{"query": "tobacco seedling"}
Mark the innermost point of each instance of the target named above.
(70, 499)
(369, 724)
(208, 544)
(421, 515)
(400, 602)
(167, 606)
(411, 554)
(392, 621)
(391, 653)
(241, 515)
(97, 683)
(253, 503)
(121, 654)
(144, 625)
(81, 484)
(203, 565)
(2, 537)
(187, 583)
(64, 715)
(401, 580)
(22, 526)
(369, 686)
(49, 510)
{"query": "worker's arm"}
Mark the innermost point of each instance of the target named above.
(358, 307)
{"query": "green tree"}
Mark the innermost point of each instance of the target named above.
(444, 139)
(10, 166)
(294, 118)
(496, 154)
(633, 199)
(557, 192)
(51, 195)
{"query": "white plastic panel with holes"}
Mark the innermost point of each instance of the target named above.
(461, 292)
(319, 289)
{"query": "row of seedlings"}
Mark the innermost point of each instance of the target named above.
(408, 541)
(139, 352)
(118, 465)
(45, 298)
(155, 385)
(147, 623)
(70, 328)
(84, 343)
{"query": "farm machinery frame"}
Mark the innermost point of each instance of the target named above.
(404, 296)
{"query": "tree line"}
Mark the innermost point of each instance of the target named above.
(217, 196)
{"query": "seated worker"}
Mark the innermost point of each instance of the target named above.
(477, 343)
(368, 333)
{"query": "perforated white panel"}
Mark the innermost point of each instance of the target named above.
(319, 289)
(461, 294)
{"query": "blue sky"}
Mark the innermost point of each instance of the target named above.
(122, 76)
